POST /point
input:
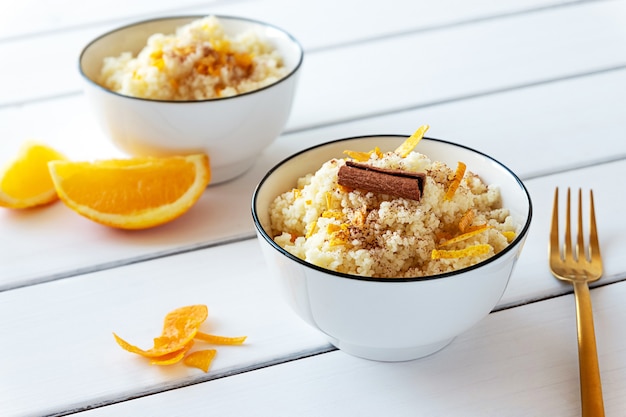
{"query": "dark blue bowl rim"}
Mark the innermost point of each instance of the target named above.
(183, 17)
(519, 238)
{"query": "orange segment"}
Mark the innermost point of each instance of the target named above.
(25, 181)
(135, 193)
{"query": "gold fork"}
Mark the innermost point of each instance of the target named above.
(579, 267)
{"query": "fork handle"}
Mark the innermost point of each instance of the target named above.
(590, 383)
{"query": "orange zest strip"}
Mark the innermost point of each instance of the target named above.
(443, 235)
(358, 156)
(220, 340)
(172, 358)
(466, 220)
(509, 236)
(329, 200)
(475, 250)
(173, 346)
(412, 141)
(179, 328)
(200, 359)
(332, 214)
(466, 236)
(364, 156)
(339, 234)
(311, 230)
(458, 176)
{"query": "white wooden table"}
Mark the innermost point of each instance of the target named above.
(538, 84)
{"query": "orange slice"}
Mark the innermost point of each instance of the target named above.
(25, 181)
(133, 193)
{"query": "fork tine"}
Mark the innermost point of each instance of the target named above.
(581, 254)
(567, 242)
(594, 245)
(555, 251)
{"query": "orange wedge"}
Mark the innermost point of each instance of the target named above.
(133, 193)
(25, 181)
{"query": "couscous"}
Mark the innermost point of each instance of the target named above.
(455, 222)
(198, 62)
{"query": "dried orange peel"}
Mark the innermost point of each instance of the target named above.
(509, 235)
(466, 235)
(179, 334)
(466, 220)
(200, 359)
(364, 156)
(220, 340)
(408, 145)
(403, 150)
(456, 181)
(474, 250)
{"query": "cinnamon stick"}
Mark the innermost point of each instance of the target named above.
(394, 182)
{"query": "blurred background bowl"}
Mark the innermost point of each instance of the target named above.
(381, 318)
(231, 130)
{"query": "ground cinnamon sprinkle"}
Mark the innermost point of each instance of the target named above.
(200, 61)
(380, 235)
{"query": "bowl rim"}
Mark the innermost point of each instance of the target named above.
(191, 17)
(518, 239)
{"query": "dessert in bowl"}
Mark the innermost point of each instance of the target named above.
(218, 85)
(385, 275)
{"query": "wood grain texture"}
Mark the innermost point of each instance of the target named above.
(533, 345)
(55, 233)
(537, 84)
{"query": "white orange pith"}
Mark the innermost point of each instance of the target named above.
(133, 193)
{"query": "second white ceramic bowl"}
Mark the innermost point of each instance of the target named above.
(231, 130)
(390, 319)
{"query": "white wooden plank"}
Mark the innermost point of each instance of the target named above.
(518, 362)
(58, 354)
(432, 67)
(73, 318)
(585, 114)
(34, 17)
(532, 280)
(424, 66)
(58, 351)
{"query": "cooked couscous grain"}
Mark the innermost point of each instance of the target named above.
(200, 61)
(376, 235)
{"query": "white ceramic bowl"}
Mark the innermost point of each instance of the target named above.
(390, 319)
(231, 130)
